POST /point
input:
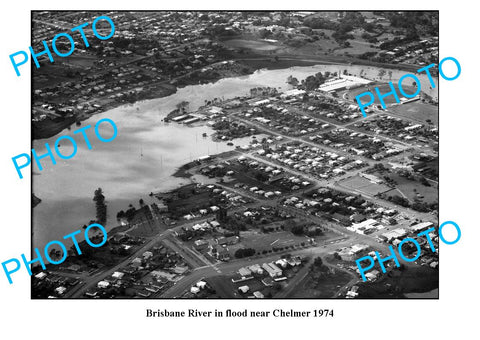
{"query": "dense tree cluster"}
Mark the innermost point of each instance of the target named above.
(297, 230)
(101, 207)
(244, 252)
(126, 214)
(414, 20)
(318, 262)
(313, 82)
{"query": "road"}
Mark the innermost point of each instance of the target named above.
(294, 282)
(302, 274)
(228, 268)
(91, 281)
(193, 259)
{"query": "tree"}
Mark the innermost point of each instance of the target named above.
(182, 106)
(292, 80)
(277, 286)
(420, 206)
(130, 213)
(318, 262)
(399, 200)
(120, 214)
(264, 33)
(312, 82)
(297, 230)
(425, 181)
(320, 78)
(244, 252)
(101, 207)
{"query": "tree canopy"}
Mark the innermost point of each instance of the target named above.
(101, 207)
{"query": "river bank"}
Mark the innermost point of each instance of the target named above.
(49, 127)
(242, 67)
(143, 157)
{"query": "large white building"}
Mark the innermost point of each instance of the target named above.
(343, 82)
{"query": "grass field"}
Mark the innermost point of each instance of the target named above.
(280, 239)
(82, 61)
(190, 203)
(260, 241)
(364, 185)
(407, 187)
(418, 111)
(252, 44)
(357, 47)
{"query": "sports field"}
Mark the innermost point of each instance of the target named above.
(418, 111)
(383, 89)
(364, 185)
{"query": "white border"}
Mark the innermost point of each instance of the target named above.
(452, 316)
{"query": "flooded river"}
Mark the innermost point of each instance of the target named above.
(142, 158)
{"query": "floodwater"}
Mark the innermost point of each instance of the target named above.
(140, 160)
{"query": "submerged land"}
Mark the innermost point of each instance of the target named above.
(311, 187)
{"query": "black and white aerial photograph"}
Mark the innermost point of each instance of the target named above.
(234, 154)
